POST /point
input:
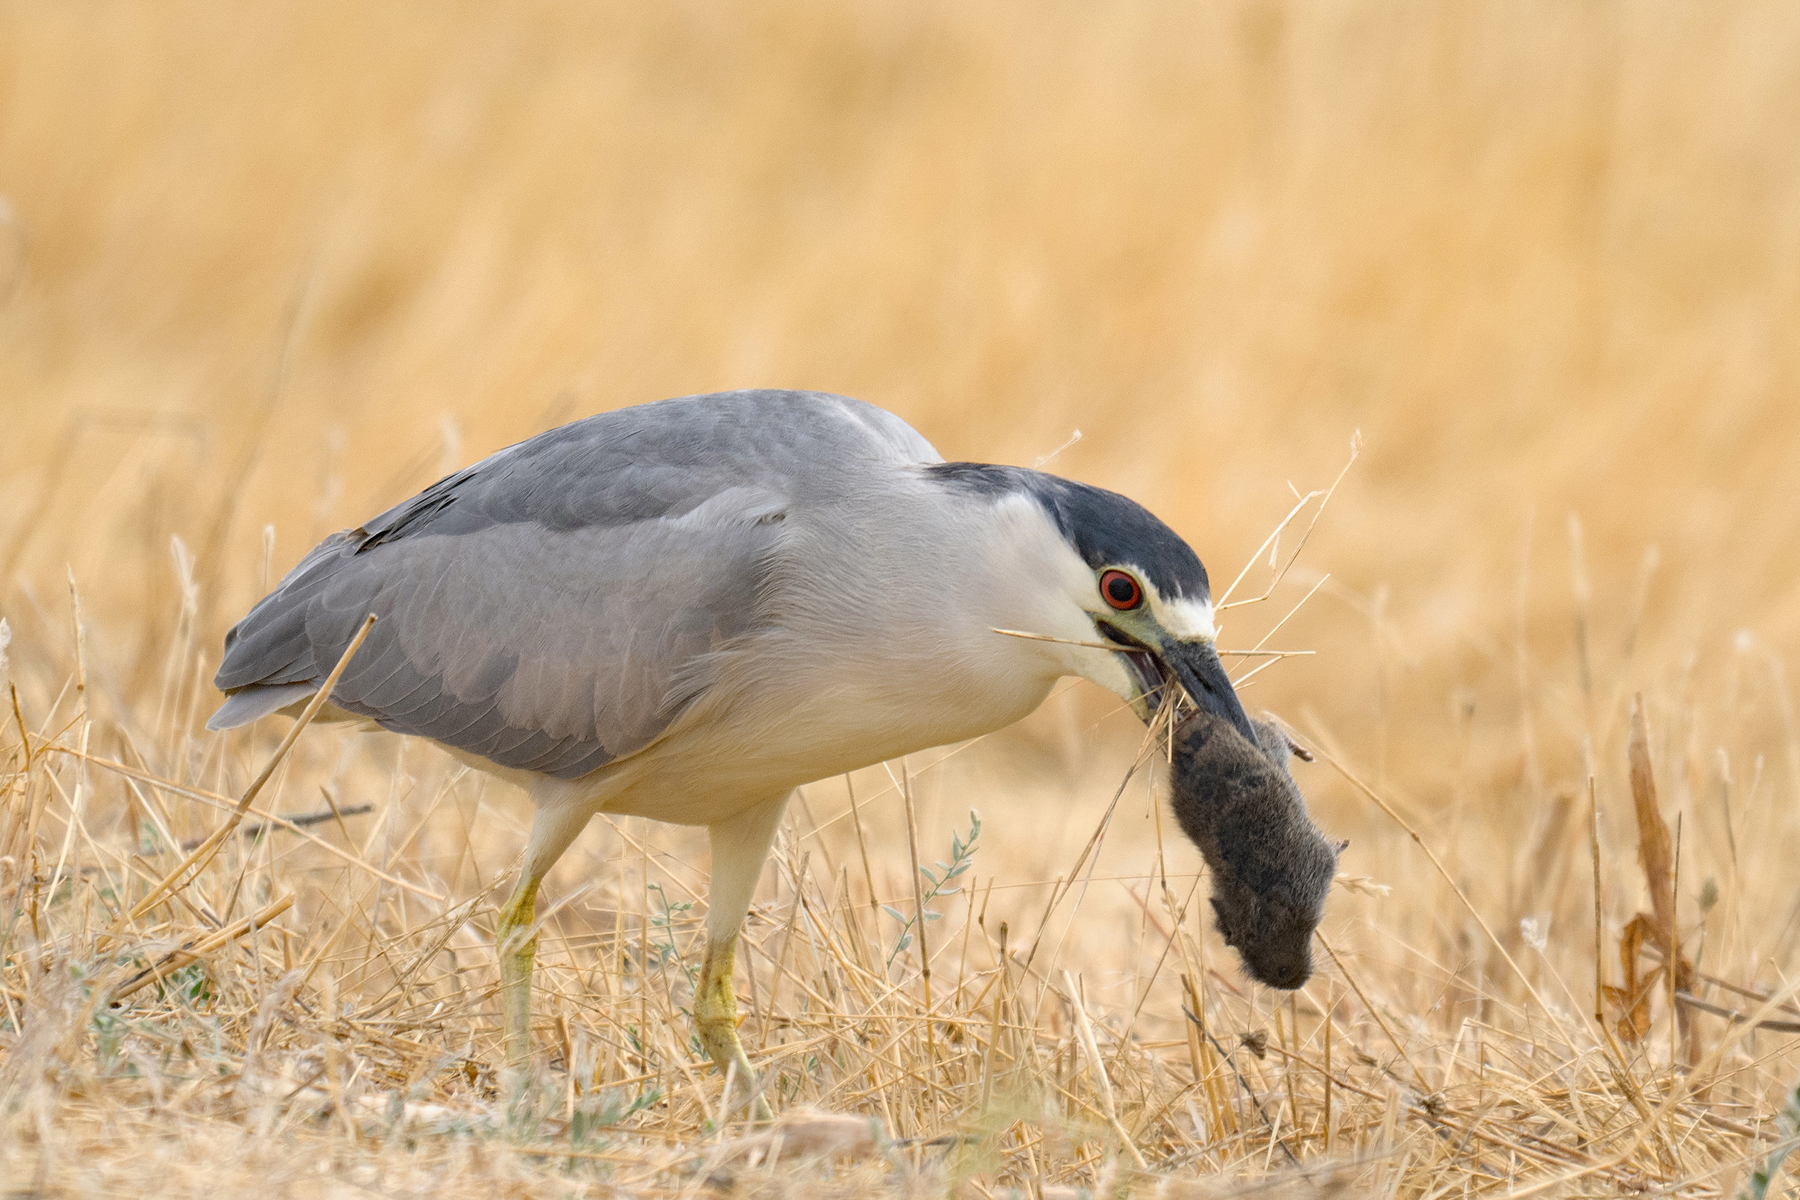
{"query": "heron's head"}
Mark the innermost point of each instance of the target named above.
(1118, 576)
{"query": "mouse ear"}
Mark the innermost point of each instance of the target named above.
(1343, 845)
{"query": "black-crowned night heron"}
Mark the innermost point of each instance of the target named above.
(685, 610)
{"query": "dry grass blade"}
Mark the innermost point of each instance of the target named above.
(1029, 1085)
(1091, 1049)
(270, 819)
(1437, 864)
(195, 951)
(1224, 237)
(1324, 498)
(190, 867)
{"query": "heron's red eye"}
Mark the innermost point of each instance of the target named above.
(1121, 590)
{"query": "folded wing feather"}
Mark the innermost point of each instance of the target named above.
(552, 607)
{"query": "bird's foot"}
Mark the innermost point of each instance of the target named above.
(715, 1015)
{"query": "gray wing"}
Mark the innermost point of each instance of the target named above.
(556, 605)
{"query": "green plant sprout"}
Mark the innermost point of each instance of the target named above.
(664, 922)
(962, 857)
(1757, 1187)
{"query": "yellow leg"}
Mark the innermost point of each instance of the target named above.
(553, 826)
(516, 951)
(739, 846)
(715, 1013)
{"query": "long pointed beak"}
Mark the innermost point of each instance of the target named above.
(1196, 664)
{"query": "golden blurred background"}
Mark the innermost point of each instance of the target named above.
(283, 265)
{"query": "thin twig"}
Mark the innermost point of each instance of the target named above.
(1242, 1083)
(203, 854)
(1370, 792)
(292, 824)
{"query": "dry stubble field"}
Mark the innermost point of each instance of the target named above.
(264, 272)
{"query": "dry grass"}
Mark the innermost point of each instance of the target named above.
(274, 270)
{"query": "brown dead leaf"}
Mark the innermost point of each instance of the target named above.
(1656, 853)
(1632, 1002)
(1656, 850)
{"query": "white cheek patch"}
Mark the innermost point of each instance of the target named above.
(1189, 620)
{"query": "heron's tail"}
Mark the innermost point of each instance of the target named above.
(247, 704)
